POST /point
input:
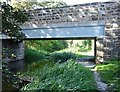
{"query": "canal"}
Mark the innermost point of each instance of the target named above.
(13, 68)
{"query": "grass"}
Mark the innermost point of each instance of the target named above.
(109, 73)
(73, 50)
(34, 55)
(68, 76)
(48, 74)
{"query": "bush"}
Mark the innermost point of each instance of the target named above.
(33, 56)
(62, 56)
(47, 46)
(68, 76)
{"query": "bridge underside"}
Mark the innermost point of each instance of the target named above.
(64, 32)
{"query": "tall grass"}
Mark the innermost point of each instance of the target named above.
(33, 55)
(68, 76)
(52, 76)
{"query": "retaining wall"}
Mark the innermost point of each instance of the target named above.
(12, 51)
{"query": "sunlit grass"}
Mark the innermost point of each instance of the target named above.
(74, 50)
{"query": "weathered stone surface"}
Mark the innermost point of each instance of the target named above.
(12, 51)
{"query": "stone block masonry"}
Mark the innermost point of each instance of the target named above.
(107, 47)
(81, 13)
(12, 51)
(111, 41)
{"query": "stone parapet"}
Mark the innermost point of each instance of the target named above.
(75, 13)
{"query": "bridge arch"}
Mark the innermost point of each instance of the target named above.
(70, 22)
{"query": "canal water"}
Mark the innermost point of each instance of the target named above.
(17, 66)
(14, 67)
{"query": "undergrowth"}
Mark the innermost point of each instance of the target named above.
(54, 68)
(68, 76)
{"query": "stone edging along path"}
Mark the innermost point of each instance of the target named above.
(102, 87)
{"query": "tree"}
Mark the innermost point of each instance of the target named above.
(11, 19)
(31, 5)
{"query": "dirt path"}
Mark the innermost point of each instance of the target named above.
(102, 87)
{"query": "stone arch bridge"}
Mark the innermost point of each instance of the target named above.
(98, 20)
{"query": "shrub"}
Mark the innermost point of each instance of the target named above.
(62, 56)
(68, 76)
(47, 46)
(32, 55)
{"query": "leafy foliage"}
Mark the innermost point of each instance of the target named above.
(10, 19)
(9, 79)
(68, 76)
(31, 5)
(46, 46)
(8, 53)
(56, 50)
(33, 56)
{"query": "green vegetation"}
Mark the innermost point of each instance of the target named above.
(33, 55)
(109, 73)
(55, 50)
(68, 76)
(62, 57)
(10, 19)
(30, 5)
(46, 46)
(9, 80)
(52, 65)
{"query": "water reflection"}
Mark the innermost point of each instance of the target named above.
(14, 67)
(17, 66)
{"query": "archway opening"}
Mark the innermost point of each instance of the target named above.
(83, 48)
